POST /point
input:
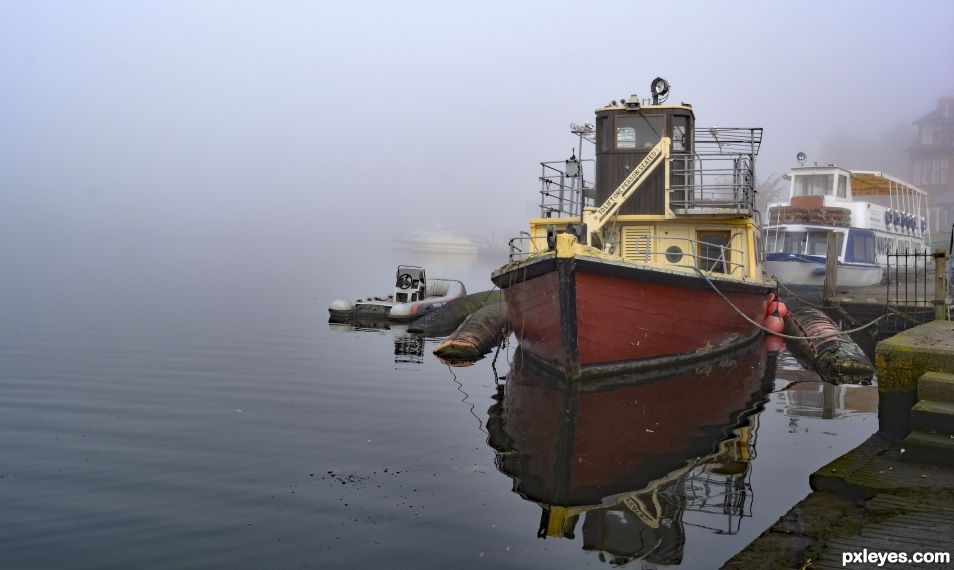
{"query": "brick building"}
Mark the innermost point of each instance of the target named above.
(930, 159)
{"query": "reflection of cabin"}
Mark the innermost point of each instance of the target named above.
(930, 158)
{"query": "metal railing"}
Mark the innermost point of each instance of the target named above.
(719, 175)
(910, 289)
(726, 258)
(520, 246)
(562, 194)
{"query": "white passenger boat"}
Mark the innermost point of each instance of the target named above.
(872, 214)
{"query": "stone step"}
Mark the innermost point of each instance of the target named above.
(937, 386)
(928, 448)
(933, 416)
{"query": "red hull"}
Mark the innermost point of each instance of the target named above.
(588, 318)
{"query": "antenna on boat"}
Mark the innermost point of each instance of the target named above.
(800, 157)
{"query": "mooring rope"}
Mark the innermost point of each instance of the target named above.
(792, 293)
(493, 363)
(791, 337)
(460, 388)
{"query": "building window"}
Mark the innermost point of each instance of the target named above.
(931, 172)
(931, 134)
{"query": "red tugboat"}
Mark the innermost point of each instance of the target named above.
(659, 262)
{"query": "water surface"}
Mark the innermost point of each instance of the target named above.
(208, 416)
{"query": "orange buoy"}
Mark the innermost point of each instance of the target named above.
(774, 323)
(773, 343)
(777, 306)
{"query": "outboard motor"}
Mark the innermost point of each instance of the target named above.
(410, 285)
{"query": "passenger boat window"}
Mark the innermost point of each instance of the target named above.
(818, 243)
(794, 242)
(861, 247)
(714, 254)
(813, 184)
(680, 133)
(638, 131)
(842, 186)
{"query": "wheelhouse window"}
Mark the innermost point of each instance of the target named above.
(638, 131)
(680, 133)
(605, 134)
(813, 184)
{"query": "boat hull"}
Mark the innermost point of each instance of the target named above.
(590, 317)
(804, 270)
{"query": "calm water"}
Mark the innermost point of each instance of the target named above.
(211, 418)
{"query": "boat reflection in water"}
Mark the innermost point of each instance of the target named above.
(633, 453)
(408, 347)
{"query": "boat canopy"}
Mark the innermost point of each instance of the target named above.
(873, 183)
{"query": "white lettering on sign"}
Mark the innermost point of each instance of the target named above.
(628, 183)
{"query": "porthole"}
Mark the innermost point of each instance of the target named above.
(674, 254)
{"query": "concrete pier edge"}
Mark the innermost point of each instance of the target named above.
(871, 497)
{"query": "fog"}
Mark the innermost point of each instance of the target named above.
(196, 136)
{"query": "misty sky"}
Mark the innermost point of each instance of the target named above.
(273, 127)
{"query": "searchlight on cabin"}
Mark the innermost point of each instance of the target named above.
(660, 89)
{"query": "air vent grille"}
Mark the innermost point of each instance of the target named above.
(637, 243)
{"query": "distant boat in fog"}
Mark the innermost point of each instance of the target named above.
(448, 242)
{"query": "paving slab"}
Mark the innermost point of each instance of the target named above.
(867, 499)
